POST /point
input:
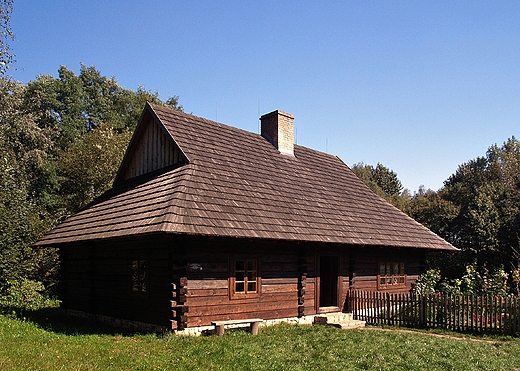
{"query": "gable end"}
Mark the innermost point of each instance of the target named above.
(151, 148)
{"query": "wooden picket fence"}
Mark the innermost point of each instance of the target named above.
(481, 314)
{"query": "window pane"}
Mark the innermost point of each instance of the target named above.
(382, 269)
(251, 276)
(396, 269)
(388, 270)
(251, 286)
(239, 276)
(239, 287)
(401, 269)
(251, 265)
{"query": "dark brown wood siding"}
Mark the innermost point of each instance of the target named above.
(366, 267)
(153, 150)
(188, 278)
(208, 271)
(96, 278)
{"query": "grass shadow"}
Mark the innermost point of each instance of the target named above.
(55, 320)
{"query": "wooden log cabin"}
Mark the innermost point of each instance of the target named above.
(207, 222)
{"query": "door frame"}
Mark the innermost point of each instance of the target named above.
(335, 307)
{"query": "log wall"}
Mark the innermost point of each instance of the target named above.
(366, 267)
(208, 296)
(188, 278)
(96, 278)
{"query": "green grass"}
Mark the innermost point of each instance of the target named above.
(50, 343)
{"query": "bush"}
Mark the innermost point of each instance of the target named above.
(427, 282)
(24, 295)
(471, 283)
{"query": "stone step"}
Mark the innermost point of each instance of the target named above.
(330, 318)
(350, 324)
(341, 320)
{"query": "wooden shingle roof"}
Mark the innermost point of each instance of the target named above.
(235, 183)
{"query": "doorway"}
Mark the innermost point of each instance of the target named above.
(329, 273)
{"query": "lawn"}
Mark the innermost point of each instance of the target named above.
(46, 342)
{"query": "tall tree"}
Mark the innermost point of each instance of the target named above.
(487, 190)
(75, 104)
(27, 186)
(478, 210)
(89, 166)
(61, 142)
(6, 34)
(384, 182)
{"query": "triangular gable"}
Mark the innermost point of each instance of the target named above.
(151, 148)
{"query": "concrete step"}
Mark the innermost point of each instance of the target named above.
(330, 318)
(342, 320)
(351, 324)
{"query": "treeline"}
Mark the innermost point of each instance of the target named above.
(477, 210)
(61, 142)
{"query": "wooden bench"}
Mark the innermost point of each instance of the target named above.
(253, 325)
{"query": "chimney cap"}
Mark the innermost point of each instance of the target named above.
(277, 112)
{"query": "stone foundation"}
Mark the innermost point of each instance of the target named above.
(136, 326)
(208, 330)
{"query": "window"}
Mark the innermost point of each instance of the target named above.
(391, 274)
(245, 279)
(139, 276)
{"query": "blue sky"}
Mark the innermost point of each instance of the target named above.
(419, 86)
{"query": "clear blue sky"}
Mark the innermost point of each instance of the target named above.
(419, 86)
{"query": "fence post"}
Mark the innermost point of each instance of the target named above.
(422, 310)
(388, 308)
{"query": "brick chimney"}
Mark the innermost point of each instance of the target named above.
(278, 128)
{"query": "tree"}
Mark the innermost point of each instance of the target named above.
(384, 182)
(6, 34)
(478, 211)
(487, 190)
(89, 166)
(26, 187)
(61, 142)
(73, 105)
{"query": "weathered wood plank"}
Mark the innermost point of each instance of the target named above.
(209, 301)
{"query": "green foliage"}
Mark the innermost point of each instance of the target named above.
(471, 283)
(26, 186)
(487, 192)
(6, 34)
(427, 283)
(24, 295)
(89, 166)
(384, 182)
(61, 142)
(72, 105)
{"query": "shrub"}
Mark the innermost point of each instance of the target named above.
(24, 295)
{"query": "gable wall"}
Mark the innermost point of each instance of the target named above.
(153, 151)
